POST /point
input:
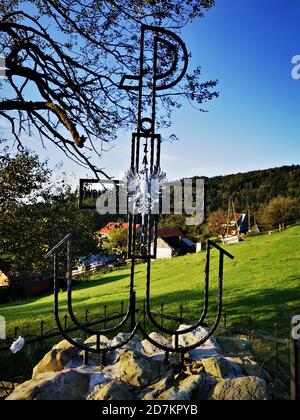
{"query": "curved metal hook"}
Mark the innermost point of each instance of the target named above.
(70, 306)
(206, 293)
(177, 349)
(84, 347)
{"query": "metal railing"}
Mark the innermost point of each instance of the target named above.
(21, 365)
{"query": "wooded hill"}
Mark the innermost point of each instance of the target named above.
(252, 189)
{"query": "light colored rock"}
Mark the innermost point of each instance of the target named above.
(209, 349)
(134, 344)
(195, 387)
(250, 367)
(94, 359)
(96, 374)
(235, 345)
(248, 388)
(254, 369)
(57, 359)
(150, 349)
(113, 391)
(221, 368)
(138, 370)
(92, 341)
(63, 386)
(153, 391)
(194, 368)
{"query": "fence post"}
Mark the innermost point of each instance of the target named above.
(86, 322)
(105, 316)
(295, 391)
(144, 313)
(162, 307)
(42, 329)
(277, 356)
(133, 310)
(250, 328)
(225, 322)
(65, 322)
(16, 332)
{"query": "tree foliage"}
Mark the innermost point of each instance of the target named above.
(252, 189)
(117, 241)
(217, 223)
(65, 61)
(30, 228)
(279, 211)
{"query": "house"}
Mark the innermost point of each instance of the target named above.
(172, 242)
(237, 224)
(106, 230)
(4, 281)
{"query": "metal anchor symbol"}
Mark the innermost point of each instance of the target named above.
(159, 80)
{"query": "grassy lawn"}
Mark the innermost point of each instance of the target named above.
(263, 282)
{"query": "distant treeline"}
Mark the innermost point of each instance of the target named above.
(252, 189)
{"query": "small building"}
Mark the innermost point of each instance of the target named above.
(172, 242)
(4, 281)
(106, 230)
(238, 224)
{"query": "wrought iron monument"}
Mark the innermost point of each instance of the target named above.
(144, 178)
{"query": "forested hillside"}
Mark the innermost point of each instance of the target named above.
(252, 189)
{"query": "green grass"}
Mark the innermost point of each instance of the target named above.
(263, 282)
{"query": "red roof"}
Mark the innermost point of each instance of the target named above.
(114, 225)
(169, 233)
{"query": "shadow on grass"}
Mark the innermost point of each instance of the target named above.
(104, 280)
(276, 305)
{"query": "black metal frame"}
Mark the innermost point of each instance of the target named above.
(152, 151)
(131, 310)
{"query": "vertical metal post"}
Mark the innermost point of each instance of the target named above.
(105, 316)
(181, 314)
(225, 320)
(144, 315)
(65, 322)
(16, 332)
(162, 315)
(42, 330)
(250, 328)
(133, 310)
(295, 391)
(86, 322)
(277, 357)
(86, 358)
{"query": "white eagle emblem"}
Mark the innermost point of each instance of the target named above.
(143, 189)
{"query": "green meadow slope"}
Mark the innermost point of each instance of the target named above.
(263, 282)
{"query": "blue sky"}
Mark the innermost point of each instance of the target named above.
(248, 46)
(255, 123)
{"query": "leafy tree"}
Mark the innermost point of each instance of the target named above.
(217, 223)
(22, 179)
(34, 214)
(66, 58)
(117, 241)
(279, 211)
